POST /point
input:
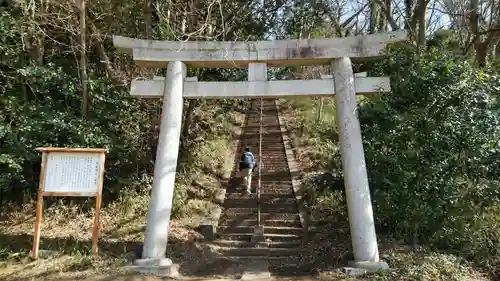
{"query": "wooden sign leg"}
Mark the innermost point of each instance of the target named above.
(95, 227)
(39, 209)
(38, 224)
(98, 200)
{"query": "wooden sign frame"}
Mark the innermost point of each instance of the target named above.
(97, 189)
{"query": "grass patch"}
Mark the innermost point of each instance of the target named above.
(311, 132)
(411, 264)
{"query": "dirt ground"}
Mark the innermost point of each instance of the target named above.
(26, 273)
(135, 277)
(84, 269)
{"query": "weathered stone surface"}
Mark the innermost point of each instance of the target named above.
(359, 205)
(369, 265)
(255, 89)
(352, 271)
(277, 53)
(157, 267)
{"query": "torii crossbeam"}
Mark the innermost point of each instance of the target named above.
(256, 89)
(257, 56)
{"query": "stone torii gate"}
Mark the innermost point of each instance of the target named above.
(257, 56)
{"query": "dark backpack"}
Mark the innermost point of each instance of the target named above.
(246, 160)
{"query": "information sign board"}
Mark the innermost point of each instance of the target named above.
(70, 172)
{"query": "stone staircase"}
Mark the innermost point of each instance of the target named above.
(279, 213)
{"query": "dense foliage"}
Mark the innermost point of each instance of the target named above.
(432, 145)
(40, 106)
(432, 150)
(41, 98)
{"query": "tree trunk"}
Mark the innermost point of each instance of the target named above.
(22, 63)
(320, 109)
(480, 46)
(481, 54)
(102, 51)
(373, 16)
(148, 19)
(188, 119)
(382, 24)
(188, 26)
(411, 20)
(152, 136)
(83, 59)
(496, 49)
(422, 9)
(37, 49)
(408, 12)
(492, 51)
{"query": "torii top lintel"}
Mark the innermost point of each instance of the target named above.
(216, 54)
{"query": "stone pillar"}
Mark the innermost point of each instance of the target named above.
(364, 240)
(257, 71)
(160, 204)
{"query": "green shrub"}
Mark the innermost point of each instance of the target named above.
(427, 266)
(432, 142)
(51, 118)
(432, 152)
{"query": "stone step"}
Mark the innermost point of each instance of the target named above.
(255, 125)
(282, 216)
(239, 211)
(268, 199)
(286, 219)
(286, 244)
(264, 211)
(248, 236)
(235, 229)
(266, 222)
(233, 218)
(269, 187)
(263, 196)
(240, 244)
(248, 244)
(273, 252)
(255, 133)
(283, 223)
(240, 203)
(257, 258)
(267, 230)
(244, 251)
(281, 191)
(264, 203)
(275, 173)
(265, 192)
(283, 230)
(279, 209)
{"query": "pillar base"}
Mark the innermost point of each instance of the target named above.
(357, 268)
(157, 266)
(369, 266)
(258, 234)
